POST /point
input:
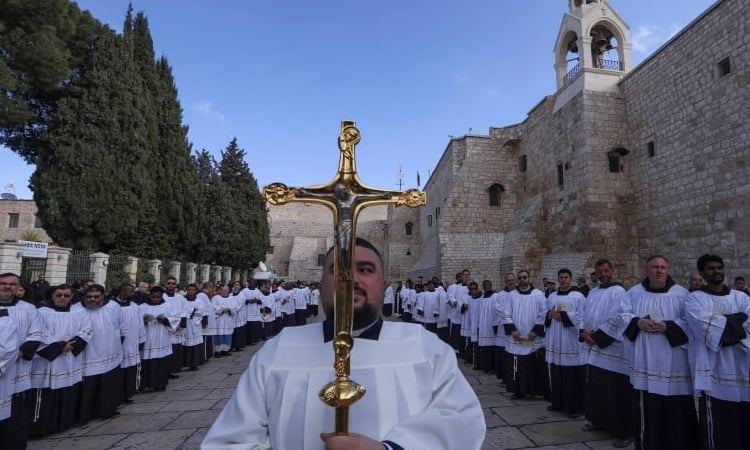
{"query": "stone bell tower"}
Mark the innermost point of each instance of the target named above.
(593, 50)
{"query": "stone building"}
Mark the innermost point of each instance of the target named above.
(18, 220)
(620, 162)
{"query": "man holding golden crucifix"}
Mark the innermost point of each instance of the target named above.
(416, 398)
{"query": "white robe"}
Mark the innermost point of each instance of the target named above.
(656, 366)
(158, 336)
(179, 311)
(104, 351)
(211, 327)
(561, 342)
(457, 295)
(388, 295)
(602, 311)
(66, 369)
(442, 320)
(486, 320)
(253, 309)
(417, 396)
(197, 309)
(525, 311)
(501, 304)
(136, 334)
(429, 305)
(29, 328)
(224, 321)
(720, 371)
(9, 343)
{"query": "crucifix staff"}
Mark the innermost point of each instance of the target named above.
(345, 196)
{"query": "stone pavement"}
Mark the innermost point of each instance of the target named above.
(178, 418)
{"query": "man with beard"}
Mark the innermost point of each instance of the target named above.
(179, 311)
(427, 402)
(101, 392)
(136, 336)
(501, 300)
(563, 351)
(156, 358)
(523, 323)
(14, 432)
(656, 345)
(58, 371)
(608, 390)
(197, 316)
(718, 324)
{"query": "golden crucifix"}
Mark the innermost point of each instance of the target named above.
(345, 196)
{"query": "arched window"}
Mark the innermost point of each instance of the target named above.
(495, 193)
(409, 227)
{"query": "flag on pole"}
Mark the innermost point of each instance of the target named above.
(418, 180)
(11, 186)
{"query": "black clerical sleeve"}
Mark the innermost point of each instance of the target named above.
(631, 332)
(204, 321)
(78, 345)
(393, 445)
(509, 328)
(567, 323)
(52, 351)
(164, 321)
(547, 320)
(28, 349)
(602, 339)
(538, 330)
(675, 335)
(733, 331)
(183, 322)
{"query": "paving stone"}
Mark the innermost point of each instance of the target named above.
(194, 441)
(494, 400)
(77, 442)
(562, 432)
(220, 393)
(163, 440)
(190, 394)
(576, 446)
(142, 408)
(492, 420)
(194, 419)
(605, 444)
(527, 414)
(505, 437)
(135, 423)
(190, 405)
(488, 388)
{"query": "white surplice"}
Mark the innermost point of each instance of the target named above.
(66, 369)
(136, 334)
(9, 343)
(561, 342)
(655, 365)
(721, 371)
(197, 309)
(487, 320)
(104, 351)
(524, 311)
(29, 328)
(602, 312)
(158, 336)
(416, 395)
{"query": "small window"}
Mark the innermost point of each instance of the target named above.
(522, 163)
(614, 163)
(37, 222)
(409, 228)
(560, 175)
(437, 212)
(13, 220)
(495, 194)
(270, 249)
(429, 220)
(651, 149)
(321, 259)
(725, 67)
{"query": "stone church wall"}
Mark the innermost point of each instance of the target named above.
(693, 193)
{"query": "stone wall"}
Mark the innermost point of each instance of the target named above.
(26, 210)
(693, 193)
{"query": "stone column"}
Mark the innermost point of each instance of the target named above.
(131, 267)
(154, 269)
(99, 263)
(227, 274)
(216, 273)
(11, 256)
(174, 271)
(191, 269)
(57, 265)
(204, 272)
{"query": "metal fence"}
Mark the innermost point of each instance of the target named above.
(79, 267)
(117, 273)
(31, 268)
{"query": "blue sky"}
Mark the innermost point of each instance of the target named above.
(280, 75)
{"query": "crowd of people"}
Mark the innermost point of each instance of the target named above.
(71, 354)
(634, 361)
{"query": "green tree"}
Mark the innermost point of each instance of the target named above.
(240, 233)
(207, 177)
(44, 46)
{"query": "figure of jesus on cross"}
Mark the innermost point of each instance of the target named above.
(345, 196)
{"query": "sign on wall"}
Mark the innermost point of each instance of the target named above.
(33, 249)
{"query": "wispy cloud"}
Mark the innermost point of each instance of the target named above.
(461, 78)
(648, 38)
(207, 108)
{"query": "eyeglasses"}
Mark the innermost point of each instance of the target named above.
(63, 295)
(523, 277)
(97, 296)
(171, 284)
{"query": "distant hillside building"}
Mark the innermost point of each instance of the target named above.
(18, 219)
